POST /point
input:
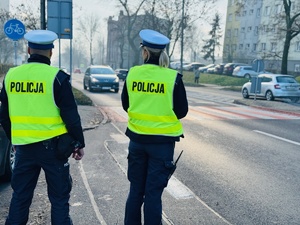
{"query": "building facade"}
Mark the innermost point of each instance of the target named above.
(255, 29)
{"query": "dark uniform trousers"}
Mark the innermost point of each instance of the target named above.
(29, 161)
(149, 167)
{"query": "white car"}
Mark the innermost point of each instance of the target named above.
(271, 86)
(244, 71)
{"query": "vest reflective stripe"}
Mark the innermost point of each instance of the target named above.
(34, 120)
(39, 134)
(32, 110)
(152, 118)
(147, 86)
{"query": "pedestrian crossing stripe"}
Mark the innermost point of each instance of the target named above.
(236, 113)
(117, 114)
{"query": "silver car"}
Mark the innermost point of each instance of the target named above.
(273, 86)
(244, 71)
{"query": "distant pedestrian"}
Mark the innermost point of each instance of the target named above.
(197, 75)
(38, 109)
(155, 99)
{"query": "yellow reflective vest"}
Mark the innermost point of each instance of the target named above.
(32, 110)
(150, 90)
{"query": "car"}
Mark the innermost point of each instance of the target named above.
(273, 86)
(211, 70)
(100, 77)
(192, 66)
(176, 65)
(229, 67)
(7, 157)
(121, 73)
(218, 69)
(203, 69)
(244, 71)
(77, 70)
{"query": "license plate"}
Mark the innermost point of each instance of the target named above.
(106, 88)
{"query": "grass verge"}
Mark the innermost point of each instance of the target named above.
(81, 98)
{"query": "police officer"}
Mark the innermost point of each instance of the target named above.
(155, 99)
(37, 107)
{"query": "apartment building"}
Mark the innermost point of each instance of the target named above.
(255, 29)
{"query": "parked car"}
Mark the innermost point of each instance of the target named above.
(121, 73)
(100, 77)
(274, 86)
(192, 66)
(218, 69)
(203, 69)
(211, 70)
(244, 71)
(229, 67)
(176, 65)
(7, 156)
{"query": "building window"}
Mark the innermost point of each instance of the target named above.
(244, 13)
(233, 47)
(249, 29)
(243, 29)
(254, 47)
(273, 46)
(228, 33)
(251, 11)
(273, 29)
(267, 11)
(265, 28)
(277, 9)
(236, 32)
(230, 17)
(241, 46)
(256, 30)
(298, 46)
(258, 12)
(263, 46)
(297, 67)
(247, 47)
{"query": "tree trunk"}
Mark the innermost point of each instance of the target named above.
(284, 62)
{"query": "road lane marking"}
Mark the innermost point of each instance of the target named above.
(277, 137)
(175, 188)
(90, 193)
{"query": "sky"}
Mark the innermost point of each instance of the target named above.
(106, 8)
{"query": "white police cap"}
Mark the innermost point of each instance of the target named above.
(153, 39)
(41, 39)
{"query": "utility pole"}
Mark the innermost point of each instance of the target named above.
(43, 15)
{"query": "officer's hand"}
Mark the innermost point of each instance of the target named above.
(78, 154)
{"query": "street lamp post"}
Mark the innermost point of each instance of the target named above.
(43, 15)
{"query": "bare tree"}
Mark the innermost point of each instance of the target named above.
(88, 27)
(292, 29)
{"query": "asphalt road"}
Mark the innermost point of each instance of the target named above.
(239, 165)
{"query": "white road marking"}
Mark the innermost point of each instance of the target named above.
(277, 137)
(91, 196)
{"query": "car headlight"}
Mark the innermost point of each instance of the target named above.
(93, 79)
(117, 79)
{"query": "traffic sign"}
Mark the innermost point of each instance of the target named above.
(14, 29)
(258, 65)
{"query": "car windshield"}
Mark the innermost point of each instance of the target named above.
(102, 71)
(286, 80)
